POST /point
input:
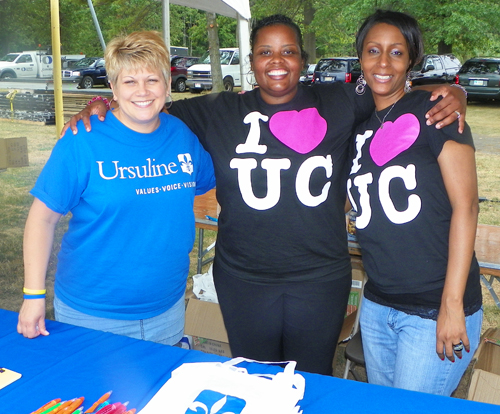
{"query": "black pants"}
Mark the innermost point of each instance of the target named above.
(281, 322)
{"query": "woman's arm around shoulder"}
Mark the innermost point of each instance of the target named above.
(453, 106)
(97, 107)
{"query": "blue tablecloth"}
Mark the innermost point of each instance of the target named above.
(72, 362)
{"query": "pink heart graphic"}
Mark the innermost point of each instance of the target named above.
(301, 131)
(394, 138)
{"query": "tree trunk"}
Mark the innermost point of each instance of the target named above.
(443, 48)
(213, 45)
(309, 35)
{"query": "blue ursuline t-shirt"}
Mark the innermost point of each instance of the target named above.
(126, 252)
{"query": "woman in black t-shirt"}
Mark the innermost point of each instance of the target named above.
(414, 189)
(280, 152)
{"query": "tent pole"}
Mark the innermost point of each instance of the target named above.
(56, 55)
(96, 24)
(243, 36)
(166, 22)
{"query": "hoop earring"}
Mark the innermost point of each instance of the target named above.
(168, 102)
(361, 84)
(251, 78)
(408, 83)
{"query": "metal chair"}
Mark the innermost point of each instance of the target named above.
(354, 356)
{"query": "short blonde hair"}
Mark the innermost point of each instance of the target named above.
(138, 50)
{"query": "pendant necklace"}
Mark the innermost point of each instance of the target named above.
(385, 116)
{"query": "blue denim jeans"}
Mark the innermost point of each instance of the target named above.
(166, 328)
(400, 350)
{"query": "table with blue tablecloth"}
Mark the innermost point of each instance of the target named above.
(72, 362)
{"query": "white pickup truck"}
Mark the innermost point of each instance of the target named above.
(199, 76)
(30, 64)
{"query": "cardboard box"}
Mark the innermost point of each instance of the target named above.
(352, 305)
(356, 291)
(205, 325)
(13, 152)
(485, 383)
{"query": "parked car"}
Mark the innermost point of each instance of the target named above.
(338, 69)
(87, 72)
(200, 77)
(178, 67)
(481, 78)
(435, 69)
(306, 76)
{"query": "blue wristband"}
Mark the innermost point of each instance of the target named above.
(34, 296)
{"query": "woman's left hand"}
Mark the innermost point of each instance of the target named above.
(453, 106)
(451, 332)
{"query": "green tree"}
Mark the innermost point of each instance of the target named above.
(24, 25)
(182, 20)
(226, 28)
(463, 27)
(460, 26)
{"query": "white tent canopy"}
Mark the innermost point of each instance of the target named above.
(230, 8)
(239, 9)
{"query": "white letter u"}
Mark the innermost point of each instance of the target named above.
(273, 167)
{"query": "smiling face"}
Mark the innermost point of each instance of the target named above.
(141, 95)
(277, 63)
(385, 62)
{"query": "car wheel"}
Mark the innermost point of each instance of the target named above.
(87, 82)
(7, 75)
(228, 84)
(180, 85)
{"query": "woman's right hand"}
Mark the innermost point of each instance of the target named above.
(95, 108)
(31, 321)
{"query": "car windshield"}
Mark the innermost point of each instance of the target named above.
(10, 57)
(225, 57)
(83, 63)
(418, 67)
(481, 68)
(176, 61)
(332, 65)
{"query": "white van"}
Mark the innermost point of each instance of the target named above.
(199, 76)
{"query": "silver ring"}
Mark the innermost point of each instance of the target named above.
(458, 347)
(458, 114)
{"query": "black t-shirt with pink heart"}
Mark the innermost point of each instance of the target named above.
(281, 173)
(403, 210)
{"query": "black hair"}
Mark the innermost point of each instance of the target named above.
(407, 25)
(273, 20)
